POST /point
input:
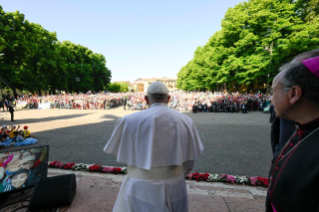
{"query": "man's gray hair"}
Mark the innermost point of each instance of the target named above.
(306, 55)
(297, 74)
(157, 97)
(303, 56)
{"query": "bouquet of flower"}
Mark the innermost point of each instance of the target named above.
(108, 169)
(56, 164)
(242, 180)
(214, 178)
(263, 181)
(95, 168)
(198, 176)
(80, 167)
(227, 178)
(68, 166)
(255, 181)
(114, 170)
(52, 164)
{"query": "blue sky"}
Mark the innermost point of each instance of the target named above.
(139, 38)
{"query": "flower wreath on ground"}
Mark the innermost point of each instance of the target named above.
(85, 167)
(225, 178)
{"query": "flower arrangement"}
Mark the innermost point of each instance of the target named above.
(225, 178)
(80, 167)
(84, 167)
(198, 176)
(95, 168)
(58, 164)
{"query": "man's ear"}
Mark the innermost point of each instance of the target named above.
(295, 94)
(168, 98)
(147, 100)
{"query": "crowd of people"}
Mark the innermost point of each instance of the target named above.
(180, 101)
(237, 104)
(12, 135)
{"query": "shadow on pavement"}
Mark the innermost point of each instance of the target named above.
(54, 118)
(78, 144)
(234, 144)
(110, 117)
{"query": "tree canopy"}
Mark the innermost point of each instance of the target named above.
(32, 58)
(256, 38)
(118, 87)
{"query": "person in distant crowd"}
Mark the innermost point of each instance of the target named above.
(1, 105)
(27, 133)
(125, 103)
(11, 110)
(200, 107)
(6, 103)
(205, 107)
(22, 141)
(293, 175)
(243, 107)
(14, 132)
(20, 136)
(249, 105)
(4, 130)
(6, 141)
(195, 108)
(158, 165)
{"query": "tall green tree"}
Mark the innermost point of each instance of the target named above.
(33, 59)
(256, 38)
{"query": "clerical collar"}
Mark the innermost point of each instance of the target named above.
(158, 104)
(309, 125)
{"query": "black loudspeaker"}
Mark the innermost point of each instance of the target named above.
(53, 192)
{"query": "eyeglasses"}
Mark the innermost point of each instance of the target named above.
(271, 90)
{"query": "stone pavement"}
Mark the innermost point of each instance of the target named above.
(98, 192)
(237, 144)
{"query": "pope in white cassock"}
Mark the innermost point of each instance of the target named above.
(159, 146)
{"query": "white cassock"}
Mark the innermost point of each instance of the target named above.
(159, 146)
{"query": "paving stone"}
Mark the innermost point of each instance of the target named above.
(94, 197)
(206, 203)
(259, 197)
(209, 188)
(236, 204)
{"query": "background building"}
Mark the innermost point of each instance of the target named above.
(141, 85)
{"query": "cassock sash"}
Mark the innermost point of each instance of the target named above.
(156, 173)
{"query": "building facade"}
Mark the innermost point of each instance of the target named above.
(141, 85)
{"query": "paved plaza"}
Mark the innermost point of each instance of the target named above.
(98, 192)
(237, 144)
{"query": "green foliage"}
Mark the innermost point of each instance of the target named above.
(114, 87)
(33, 59)
(256, 38)
(118, 87)
(124, 86)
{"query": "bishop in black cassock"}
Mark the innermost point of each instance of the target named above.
(294, 171)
